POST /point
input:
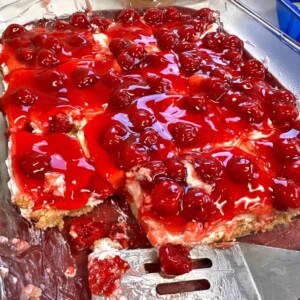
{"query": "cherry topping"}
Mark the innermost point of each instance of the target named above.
(37, 39)
(34, 165)
(52, 43)
(20, 41)
(234, 57)
(206, 14)
(101, 187)
(61, 25)
(156, 168)
(149, 137)
(184, 46)
(47, 57)
(101, 22)
(196, 102)
(292, 171)
(60, 123)
(233, 42)
(213, 40)
(79, 20)
(281, 112)
(84, 232)
(240, 169)
(25, 96)
(84, 77)
(166, 197)
(198, 205)
(187, 33)
(77, 40)
(26, 55)
(52, 80)
(159, 84)
(137, 51)
(111, 78)
(13, 30)
(117, 45)
(286, 194)
(190, 62)
(141, 119)
(174, 260)
(281, 96)
(209, 169)
(288, 148)
(126, 61)
(105, 275)
(253, 69)
(214, 87)
(176, 169)
(252, 111)
(153, 16)
(120, 97)
(184, 134)
(171, 14)
(132, 154)
(114, 136)
(167, 40)
(128, 16)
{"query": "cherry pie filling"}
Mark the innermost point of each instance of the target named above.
(162, 107)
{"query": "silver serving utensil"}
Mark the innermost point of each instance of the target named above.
(241, 271)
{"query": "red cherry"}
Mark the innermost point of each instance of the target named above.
(158, 32)
(84, 77)
(184, 134)
(153, 16)
(166, 197)
(53, 44)
(149, 137)
(126, 61)
(205, 14)
(114, 136)
(233, 42)
(176, 169)
(233, 57)
(281, 112)
(287, 148)
(286, 194)
(213, 40)
(111, 78)
(232, 100)
(252, 111)
(141, 119)
(47, 58)
(174, 260)
(37, 39)
(253, 69)
(240, 169)
(79, 20)
(120, 97)
(132, 154)
(60, 123)
(84, 232)
(61, 25)
(214, 87)
(190, 62)
(196, 102)
(159, 85)
(209, 169)
(155, 60)
(184, 46)
(156, 168)
(187, 33)
(13, 30)
(52, 80)
(281, 96)
(117, 45)
(77, 40)
(105, 275)
(101, 187)
(198, 205)
(34, 165)
(172, 14)
(292, 171)
(128, 16)
(137, 51)
(26, 55)
(25, 96)
(167, 41)
(20, 42)
(101, 23)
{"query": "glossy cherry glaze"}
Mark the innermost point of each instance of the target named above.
(153, 91)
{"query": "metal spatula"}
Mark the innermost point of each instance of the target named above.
(242, 271)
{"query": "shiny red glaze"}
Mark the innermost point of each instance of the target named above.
(175, 169)
(174, 260)
(209, 169)
(84, 77)
(47, 57)
(167, 40)
(142, 119)
(61, 123)
(13, 30)
(232, 42)
(213, 40)
(25, 96)
(101, 23)
(172, 14)
(154, 16)
(128, 16)
(253, 69)
(80, 20)
(84, 232)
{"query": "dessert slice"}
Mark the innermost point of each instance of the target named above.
(51, 178)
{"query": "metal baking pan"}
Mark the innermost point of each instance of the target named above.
(35, 260)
